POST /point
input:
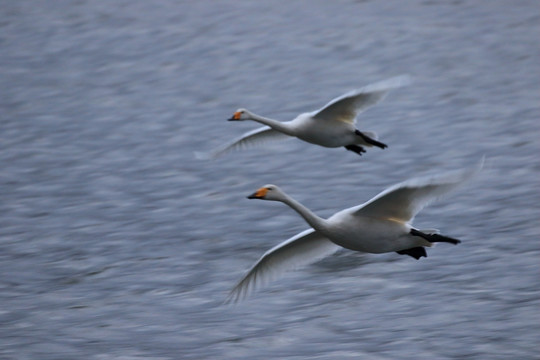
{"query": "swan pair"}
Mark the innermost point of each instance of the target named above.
(381, 225)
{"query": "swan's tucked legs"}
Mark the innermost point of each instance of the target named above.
(370, 140)
(416, 252)
(356, 148)
(434, 237)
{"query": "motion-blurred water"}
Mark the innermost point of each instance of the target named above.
(116, 243)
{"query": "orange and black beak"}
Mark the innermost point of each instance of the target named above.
(236, 116)
(259, 194)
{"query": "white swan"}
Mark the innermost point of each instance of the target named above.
(331, 126)
(383, 224)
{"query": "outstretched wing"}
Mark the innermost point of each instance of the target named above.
(348, 106)
(300, 250)
(249, 139)
(403, 201)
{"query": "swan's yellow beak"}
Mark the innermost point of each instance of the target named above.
(259, 194)
(236, 116)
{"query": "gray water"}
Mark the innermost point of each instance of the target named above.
(116, 243)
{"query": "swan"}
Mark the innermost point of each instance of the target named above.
(331, 126)
(381, 225)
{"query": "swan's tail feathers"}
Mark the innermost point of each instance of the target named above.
(371, 134)
(416, 252)
(440, 238)
(370, 140)
(430, 231)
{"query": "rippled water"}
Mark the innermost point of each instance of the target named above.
(116, 243)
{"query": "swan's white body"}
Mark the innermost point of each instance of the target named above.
(331, 126)
(383, 224)
(368, 234)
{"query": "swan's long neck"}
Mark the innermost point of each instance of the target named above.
(274, 124)
(315, 221)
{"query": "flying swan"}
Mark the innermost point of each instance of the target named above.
(332, 126)
(381, 225)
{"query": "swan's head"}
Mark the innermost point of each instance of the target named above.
(241, 114)
(267, 192)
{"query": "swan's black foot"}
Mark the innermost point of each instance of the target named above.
(435, 237)
(356, 148)
(416, 252)
(370, 140)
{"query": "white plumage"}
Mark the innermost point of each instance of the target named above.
(331, 126)
(382, 224)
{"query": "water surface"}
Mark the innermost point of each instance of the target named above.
(116, 243)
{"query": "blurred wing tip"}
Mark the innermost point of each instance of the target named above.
(391, 83)
(402, 80)
(475, 170)
(231, 300)
(481, 163)
(208, 155)
(199, 155)
(237, 295)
